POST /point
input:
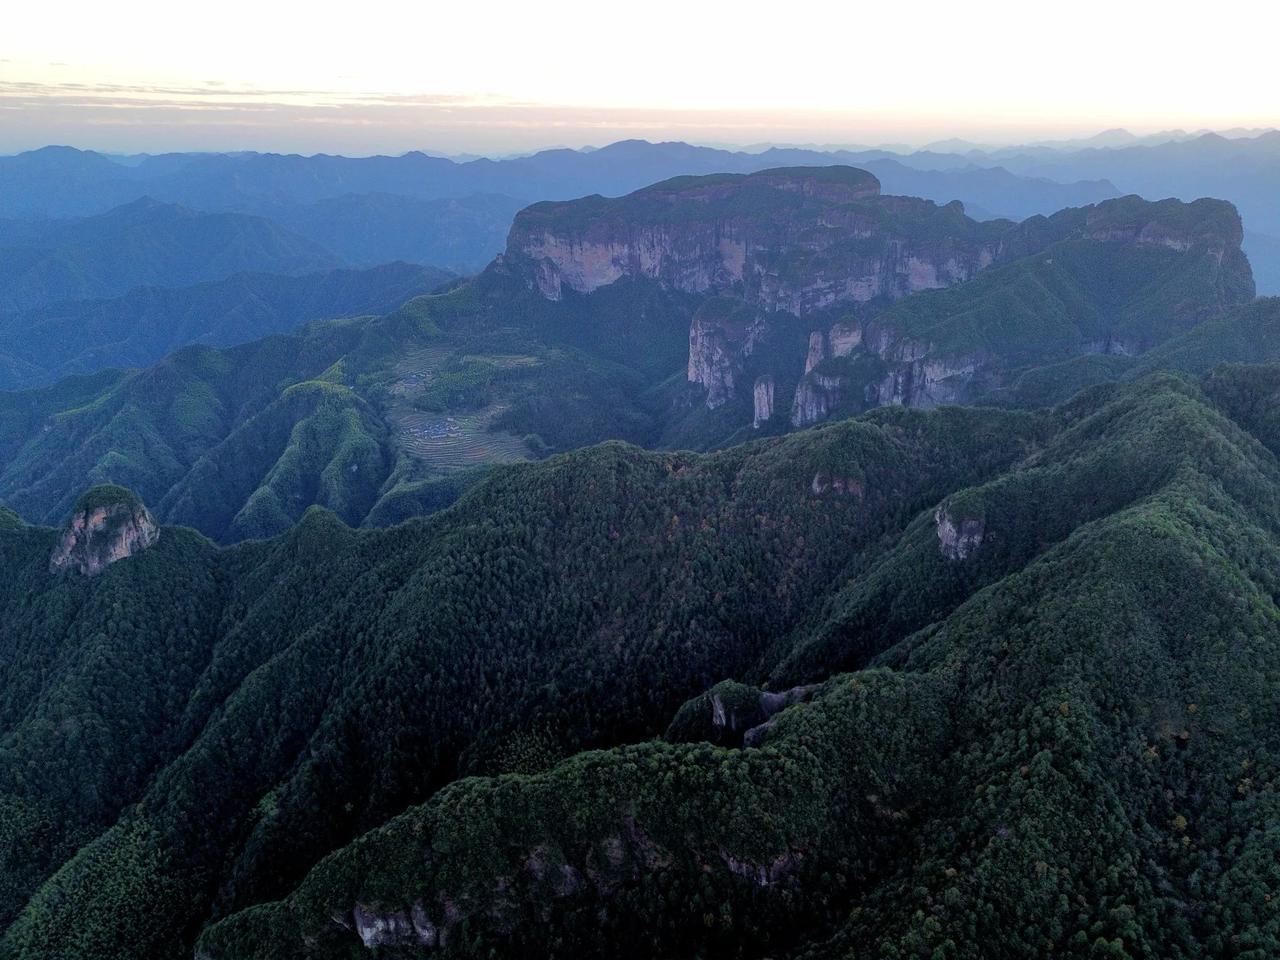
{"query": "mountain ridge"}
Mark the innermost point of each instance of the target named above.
(1093, 624)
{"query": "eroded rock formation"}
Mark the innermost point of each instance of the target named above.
(722, 335)
(763, 398)
(741, 234)
(108, 524)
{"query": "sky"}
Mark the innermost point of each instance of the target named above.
(501, 77)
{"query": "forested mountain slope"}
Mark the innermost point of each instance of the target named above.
(1044, 646)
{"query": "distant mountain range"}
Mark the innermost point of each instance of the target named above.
(459, 234)
(41, 345)
(361, 208)
(1244, 170)
(61, 181)
(144, 243)
(80, 228)
(186, 219)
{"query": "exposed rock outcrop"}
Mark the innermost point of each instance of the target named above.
(803, 241)
(958, 539)
(817, 350)
(722, 335)
(816, 394)
(762, 874)
(925, 383)
(763, 395)
(108, 524)
(771, 704)
(612, 865)
(734, 714)
(843, 338)
(413, 927)
(824, 482)
(796, 239)
(382, 929)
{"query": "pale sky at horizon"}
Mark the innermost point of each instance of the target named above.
(384, 77)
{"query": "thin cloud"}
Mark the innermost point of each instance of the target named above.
(212, 91)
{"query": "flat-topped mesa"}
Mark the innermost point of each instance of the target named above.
(108, 523)
(834, 184)
(824, 243)
(796, 239)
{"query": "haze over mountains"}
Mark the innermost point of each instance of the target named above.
(143, 243)
(291, 214)
(43, 344)
(685, 553)
(60, 181)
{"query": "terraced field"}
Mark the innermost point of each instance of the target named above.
(444, 442)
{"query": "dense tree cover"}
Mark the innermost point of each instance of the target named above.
(340, 676)
(1076, 296)
(1061, 742)
(1245, 334)
(147, 430)
(226, 440)
(1078, 757)
(1037, 649)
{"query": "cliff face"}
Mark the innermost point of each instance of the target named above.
(1117, 278)
(957, 538)
(108, 524)
(796, 240)
(823, 243)
(762, 399)
(722, 333)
